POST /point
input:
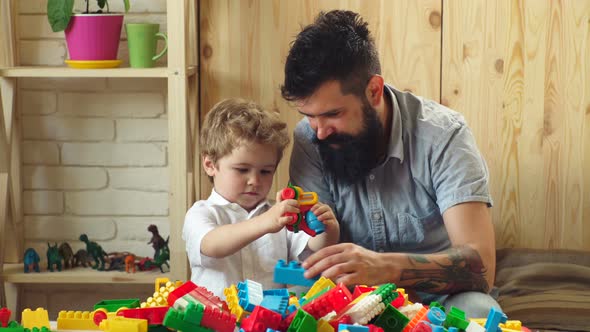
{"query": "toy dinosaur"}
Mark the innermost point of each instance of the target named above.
(130, 263)
(68, 255)
(95, 250)
(31, 260)
(117, 260)
(161, 259)
(53, 257)
(81, 258)
(157, 241)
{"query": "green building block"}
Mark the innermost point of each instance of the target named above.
(391, 320)
(188, 320)
(456, 318)
(437, 305)
(114, 305)
(303, 322)
(387, 292)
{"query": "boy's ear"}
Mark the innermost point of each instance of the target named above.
(208, 166)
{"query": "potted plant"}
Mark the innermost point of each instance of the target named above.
(90, 36)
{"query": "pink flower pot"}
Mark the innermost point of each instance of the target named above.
(94, 36)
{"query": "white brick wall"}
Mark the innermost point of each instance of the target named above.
(94, 153)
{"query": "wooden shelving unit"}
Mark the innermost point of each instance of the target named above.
(182, 119)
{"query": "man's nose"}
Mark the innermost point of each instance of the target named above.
(323, 131)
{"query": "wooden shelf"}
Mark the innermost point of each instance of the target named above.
(13, 273)
(39, 71)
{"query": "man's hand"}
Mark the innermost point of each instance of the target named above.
(349, 264)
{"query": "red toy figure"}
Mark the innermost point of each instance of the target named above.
(305, 220)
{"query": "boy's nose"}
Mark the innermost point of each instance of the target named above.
(254, 180)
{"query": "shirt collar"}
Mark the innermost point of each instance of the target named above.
(216, 199)
(395, 147)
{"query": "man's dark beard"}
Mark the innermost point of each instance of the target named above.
(355, 156)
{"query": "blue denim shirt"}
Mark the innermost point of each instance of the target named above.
(432, 164)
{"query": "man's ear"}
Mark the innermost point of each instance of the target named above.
(374, 90)
(209, 165)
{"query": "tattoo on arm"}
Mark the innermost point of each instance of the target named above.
(451, 271)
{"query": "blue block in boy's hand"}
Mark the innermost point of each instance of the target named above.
(291, 274)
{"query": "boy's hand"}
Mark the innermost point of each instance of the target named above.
(276, 215)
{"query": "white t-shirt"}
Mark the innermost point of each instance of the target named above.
(256, 261)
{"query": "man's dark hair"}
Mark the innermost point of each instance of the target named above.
(337, 46)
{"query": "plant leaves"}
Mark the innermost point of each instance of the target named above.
(101, 3)
(59, 13)
(127, 6)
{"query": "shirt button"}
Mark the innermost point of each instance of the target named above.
(376, 216)
(372, 177)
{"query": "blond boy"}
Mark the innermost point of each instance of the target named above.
(237, 234)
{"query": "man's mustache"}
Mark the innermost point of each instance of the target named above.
(334, 139)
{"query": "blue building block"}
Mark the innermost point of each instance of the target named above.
(277, 292)
(314, 223)
(437, 328)
(249, 294)
(495, 317)
(290, 309)
(275, 303)
(353, 328)
(292, 274)
(436, 316)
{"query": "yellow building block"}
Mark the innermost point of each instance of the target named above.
(293, 300)
(233, 302)
(122, 324)
(324, 326)
(76, 320)
(509, 326)
(160, 297)
(318, 286)
(38, 318)
(403, 291)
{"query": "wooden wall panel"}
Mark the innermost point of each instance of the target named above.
(244, 44)
(520, 73)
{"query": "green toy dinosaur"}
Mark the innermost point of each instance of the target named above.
(161, 259)
(94, 250)
(53, 257)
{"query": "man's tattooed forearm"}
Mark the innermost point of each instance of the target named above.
(454, 270)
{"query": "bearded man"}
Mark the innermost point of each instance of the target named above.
(402, 173)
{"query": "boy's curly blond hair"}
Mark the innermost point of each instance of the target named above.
(233, 122)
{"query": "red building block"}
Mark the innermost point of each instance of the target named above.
(335, 299)
(4, 317)
(154, 315)
(261, 319)
(180, 292)
(399, 301)
(208, 299)
(373, 328)
(360, 289)
(217, 320)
